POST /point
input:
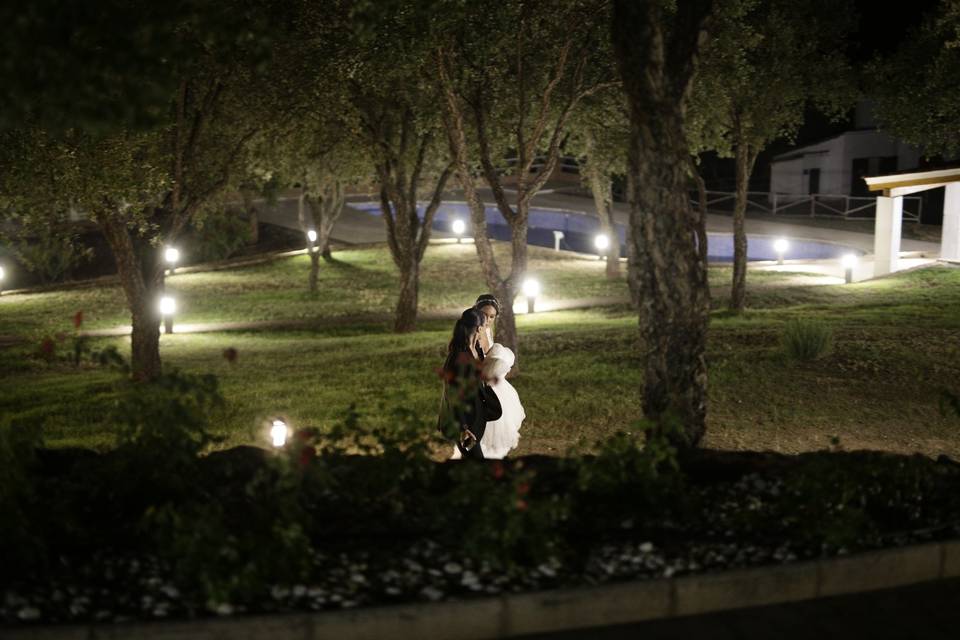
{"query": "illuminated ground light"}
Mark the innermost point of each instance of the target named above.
(278, 433)
(531, 289)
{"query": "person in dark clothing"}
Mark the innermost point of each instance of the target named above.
(467, 403)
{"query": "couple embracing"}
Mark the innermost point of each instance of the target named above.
(479, 410)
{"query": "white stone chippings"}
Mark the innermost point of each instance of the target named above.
(28, 614)
(452, 567)
(299, 591)
(431, 593)
(646, 547)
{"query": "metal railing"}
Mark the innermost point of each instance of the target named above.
(817, 205)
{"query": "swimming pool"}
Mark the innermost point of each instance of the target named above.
(579, 230)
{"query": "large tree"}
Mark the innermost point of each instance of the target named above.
(599, 138)
(915, 88)
(512, 75)
(142, 186)
(396, 111)
(658, 45)
(765, 64)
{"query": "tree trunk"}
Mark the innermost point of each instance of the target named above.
(633, 263)
(702, 240)
(739, 289)
(601, 187)
(657, 55)
(253, 215)
(306, 218)
(405, 319)
(507, 323)
(142, 281)
(609, 228)
(314, 269)
(324, 210)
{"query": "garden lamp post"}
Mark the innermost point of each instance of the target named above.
(458, 227)
(780, 246)
(311, 239)
(3, 274)
(531, 289)
(602, 243)
(172, 256)
(278, 433)
(168, 306)
(849, 261)
(557, 237)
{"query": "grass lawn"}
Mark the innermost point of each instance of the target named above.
(897, 343)
(360, 281)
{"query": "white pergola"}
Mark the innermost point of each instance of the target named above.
(886, 243)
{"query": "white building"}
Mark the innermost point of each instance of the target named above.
(837, 165)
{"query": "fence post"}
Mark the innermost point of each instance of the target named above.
(813, 204)
(774, 210)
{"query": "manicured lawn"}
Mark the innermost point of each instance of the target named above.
(363, 281)
(897, 343)
(358, 282)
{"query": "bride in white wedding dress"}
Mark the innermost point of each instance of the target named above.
(503, 435)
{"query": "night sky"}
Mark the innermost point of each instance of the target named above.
(883, 26)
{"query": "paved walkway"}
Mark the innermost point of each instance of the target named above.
(358, 226)
(920, 612)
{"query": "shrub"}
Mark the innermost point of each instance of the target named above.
(18, 542)
(807, 340)
(52, 257)
(218, 235)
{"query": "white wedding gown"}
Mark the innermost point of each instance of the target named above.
(500, 435)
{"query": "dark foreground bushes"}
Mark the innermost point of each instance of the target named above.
(353, 515)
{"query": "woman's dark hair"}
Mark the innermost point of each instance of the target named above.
(488, 300)
(470, 320)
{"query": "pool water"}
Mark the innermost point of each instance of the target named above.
(580, 229)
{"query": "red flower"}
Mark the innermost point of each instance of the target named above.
(521, 505)
(523, 488)
(78, 319)
(307, 454)
(230, 355)
(497, 469)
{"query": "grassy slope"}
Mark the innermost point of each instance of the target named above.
(897, 342)
(358, 282)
